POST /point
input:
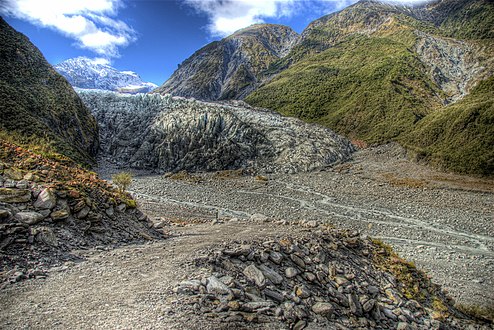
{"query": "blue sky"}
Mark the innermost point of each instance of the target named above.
(150, 37)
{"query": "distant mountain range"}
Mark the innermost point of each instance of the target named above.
(86, 73)
(374, 71)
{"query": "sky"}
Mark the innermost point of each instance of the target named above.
(150, 37)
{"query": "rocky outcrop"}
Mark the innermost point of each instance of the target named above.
(38, 106)
(454, 65)
(231, 68)
(167, 133)
(327, 279)
(82, 72)
(47, 210)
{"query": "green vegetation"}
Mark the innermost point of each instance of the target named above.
(459, 137)
(39, 107)
(368, 88)
(122, 180)
(357, 72)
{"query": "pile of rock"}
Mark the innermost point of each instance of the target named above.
(329, 280)
(43, 217)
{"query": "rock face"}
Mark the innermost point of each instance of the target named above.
(82, 72)
(165, 133)
(346, 282)
(231, 68)
(37, 104)
(56, 212)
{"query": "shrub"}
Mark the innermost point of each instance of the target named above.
(122, 180)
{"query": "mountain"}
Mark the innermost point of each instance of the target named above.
(171, 134)
(380, 72)
(38, 106)
(83, 72)
(233, 67)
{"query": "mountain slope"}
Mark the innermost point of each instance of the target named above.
(230, 68)
(374, 71)
(38, 105)
(83, 72)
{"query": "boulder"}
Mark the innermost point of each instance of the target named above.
(29, 218)
(46, 200)
(10, 195)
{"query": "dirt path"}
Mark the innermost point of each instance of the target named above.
(126, 288)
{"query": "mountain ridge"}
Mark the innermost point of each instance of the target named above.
(82, 72)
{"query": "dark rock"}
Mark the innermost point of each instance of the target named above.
(29, 218)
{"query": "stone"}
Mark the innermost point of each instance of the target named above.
(10, 195)
(291, 272)
(233, 305)
(121, 207)
(257, 217)
(310, 277)
(301, 324)
(341, 281)
(255, 275)
(191, 284)
(46, 200)
(83, 212)
(5, 214)
(298, 261)
(13, 173)
(59, 215)
(23, 184)
(302, 291)
(276, 257)
(403, 326)
(110, 211)
(368, 305)
(271, 274)
(256, 305)
(372, 290)
(215, 286)
(274, 295)
(29, 218)
(354, 303)
(47, 236)
(323, 309)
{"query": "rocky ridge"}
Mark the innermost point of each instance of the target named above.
(231, 68)
(328, 280)
(82, 72)
(170, 134)
(49, 209)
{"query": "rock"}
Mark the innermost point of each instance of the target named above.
(9, 195)
(271, 274)
(29, 218)
(59, 215)
(46, 200)
(45, 235)
(403, 326)
(255, 275)
(215, 286)
(276, 257)
(373, 290)
(324, 309)
(110, 211)
(310, 277)
(368, 305)
(354, 303)
(253, 306)
(341, 281)
(83, 213)
(13, 173)
(121, 207)
(297, 260)
(257, 217)
(291, 272)
(300, 325)
(5, 214)
(274, 295)
(302, 291)
(23, 184)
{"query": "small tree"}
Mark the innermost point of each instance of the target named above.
(122, 180)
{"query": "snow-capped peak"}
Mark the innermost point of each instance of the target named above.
(83, 72)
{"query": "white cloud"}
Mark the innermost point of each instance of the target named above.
(89, 22)
(228, 16)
